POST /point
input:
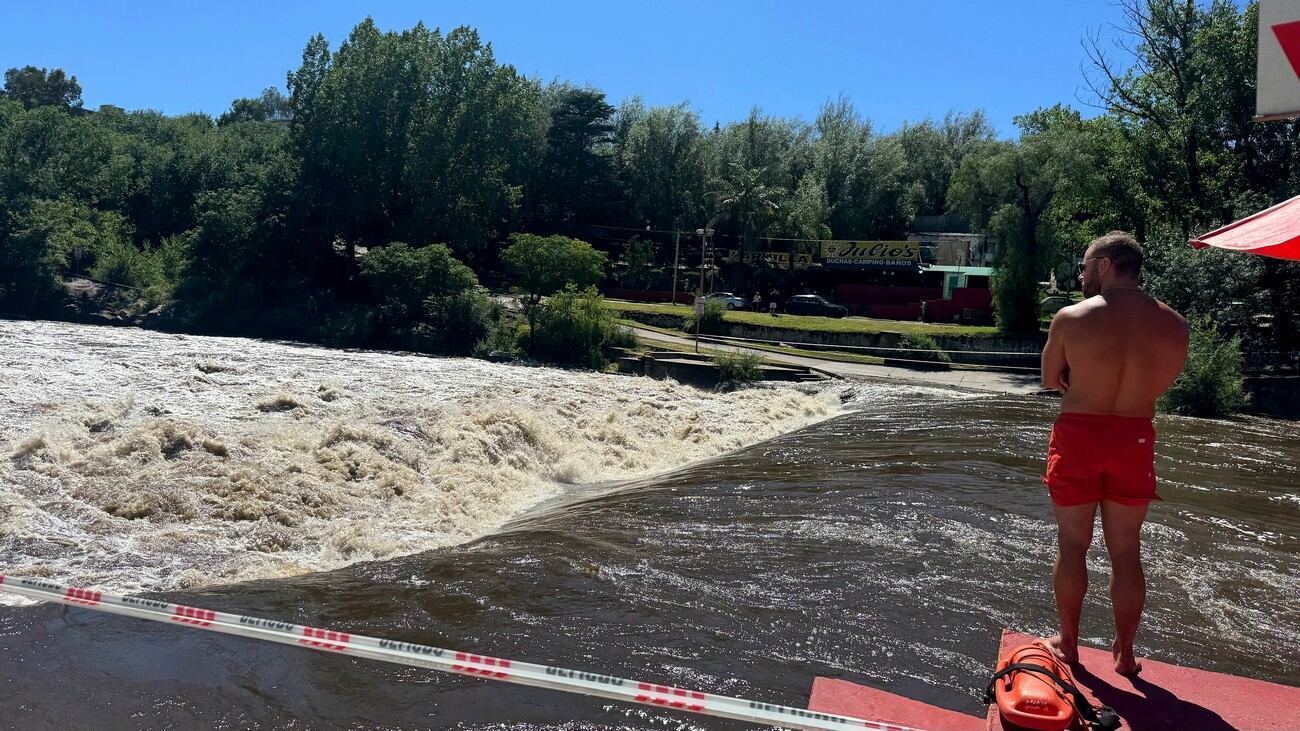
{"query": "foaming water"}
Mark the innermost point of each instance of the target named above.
(142, 461)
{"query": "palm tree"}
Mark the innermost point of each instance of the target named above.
(743, 196)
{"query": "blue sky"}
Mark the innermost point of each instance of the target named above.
(897, 61)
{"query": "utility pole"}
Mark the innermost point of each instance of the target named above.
(706, 246)
(677, 252)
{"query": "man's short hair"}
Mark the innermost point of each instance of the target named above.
(1122, 249)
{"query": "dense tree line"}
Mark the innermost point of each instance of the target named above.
(271, 218)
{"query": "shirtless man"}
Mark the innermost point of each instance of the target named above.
(1111, 356)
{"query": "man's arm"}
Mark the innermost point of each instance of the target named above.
(1055, 368)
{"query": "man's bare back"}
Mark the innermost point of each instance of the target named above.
(1117, 353)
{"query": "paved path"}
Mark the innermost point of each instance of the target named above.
(979, 380)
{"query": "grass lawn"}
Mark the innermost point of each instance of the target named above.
(813, 324)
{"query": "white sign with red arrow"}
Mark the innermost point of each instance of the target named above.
(1277, 93)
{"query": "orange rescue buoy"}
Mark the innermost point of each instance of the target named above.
(1030, 698)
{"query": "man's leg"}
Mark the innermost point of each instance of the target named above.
(1122, 526)
(1070, 577)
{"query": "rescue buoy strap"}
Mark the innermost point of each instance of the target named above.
(1103, 718)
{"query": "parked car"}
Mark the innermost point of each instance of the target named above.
(811, 304)
(732, 301)
(1052, 305)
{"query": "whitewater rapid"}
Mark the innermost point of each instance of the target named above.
(134, 460)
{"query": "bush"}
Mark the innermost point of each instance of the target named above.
(462, 319)
(503, 336)
(739, 366)
(622, 337)
(1211, 383)
(922, 347)
(1198, 282)
(153, 272)
(402, 279)
(711, 322)
(572, 328)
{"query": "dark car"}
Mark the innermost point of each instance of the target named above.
(811, 304)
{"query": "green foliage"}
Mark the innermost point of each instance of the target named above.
(402, 280)
(1211, 383)
(1023, 194)
(462, 319)
(542, 265)
(33, 87)
(1198, 282)
(414, 135)
(711, 321)
(573, 327)
(922, 347)
(47, 239)
(270, 106)
(503, 336)
(420, 135)
(153, 272)
(639, 255)
(739, 366)
(575, 179)
(622, 337)
(659, 157)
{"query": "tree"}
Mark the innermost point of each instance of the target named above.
(270, 106)
(412, 135)
(405, 277)
(543, 265)
(639, 256)
(576, 176)
(1180, 82)
(48, 238)
(933, 153)
(742, 196)
(1009, 189)
(659, 159)
(33, 87)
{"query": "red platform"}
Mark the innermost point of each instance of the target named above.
(849, 699)
(1162, 698)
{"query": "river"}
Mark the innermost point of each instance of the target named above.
(738, 543)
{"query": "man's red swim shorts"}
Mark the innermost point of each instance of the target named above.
(1093, 457)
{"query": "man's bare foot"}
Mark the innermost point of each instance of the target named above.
(1066, 652)
(1125, 662)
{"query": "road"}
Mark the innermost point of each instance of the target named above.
(979, 380)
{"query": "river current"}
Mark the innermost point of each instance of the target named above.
(740, 543)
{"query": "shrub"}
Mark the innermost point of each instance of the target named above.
(572, 328)
(622, 337)
(711, 322)
(1211, 383)
(402, 279)
(503, 336)
(739, 366)
(922, 347)
(462, 319)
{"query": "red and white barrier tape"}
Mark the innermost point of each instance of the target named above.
(436, 658)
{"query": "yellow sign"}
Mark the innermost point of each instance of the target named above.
(871, 254)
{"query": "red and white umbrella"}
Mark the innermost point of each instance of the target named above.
(1273, 232)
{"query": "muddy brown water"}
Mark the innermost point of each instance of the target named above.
(887, 546)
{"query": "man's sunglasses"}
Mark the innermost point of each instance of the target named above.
(1084, 264)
